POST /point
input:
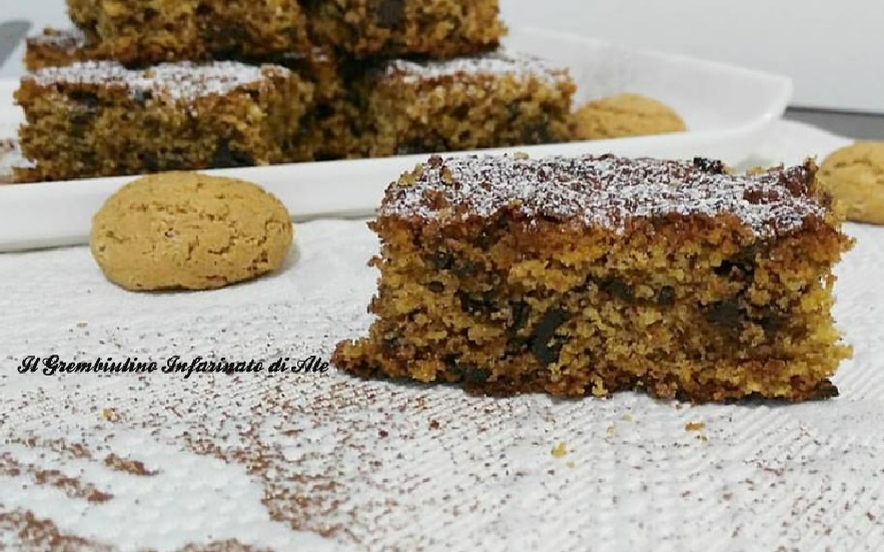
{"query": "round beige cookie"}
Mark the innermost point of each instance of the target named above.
(622, 116)
(189, 231)
(854, 177)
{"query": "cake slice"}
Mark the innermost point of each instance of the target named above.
(147, 32)
(591, 275)
(392, 28)
(92, 119)
(496, 99)
(328, 131)
(154, 31)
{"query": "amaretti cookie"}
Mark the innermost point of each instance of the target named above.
(623, 116)
(189, 231)
(854, 176)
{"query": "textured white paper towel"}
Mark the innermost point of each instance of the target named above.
(324, 462)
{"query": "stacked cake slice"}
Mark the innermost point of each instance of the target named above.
(139, 87)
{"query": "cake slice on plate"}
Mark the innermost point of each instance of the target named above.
(496, 99)
(146, 33)
(439, 29)
(98, 118)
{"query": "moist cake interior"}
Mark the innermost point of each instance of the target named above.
(593, 275)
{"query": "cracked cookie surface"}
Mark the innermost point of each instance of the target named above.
(854, 176)
(189, 231)
(622, 116)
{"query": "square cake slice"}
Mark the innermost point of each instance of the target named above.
(591, 275)
(328, 131)
(147, 32)
(392, 28)
(497, 99)
(93, 119)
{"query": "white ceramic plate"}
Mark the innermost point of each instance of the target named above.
(727, 109)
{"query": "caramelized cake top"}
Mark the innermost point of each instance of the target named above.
(606, 192)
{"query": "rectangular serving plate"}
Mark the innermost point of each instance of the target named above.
(727, 110)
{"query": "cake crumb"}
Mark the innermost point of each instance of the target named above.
(434, 424)
(560, 450)
(627, 418)
(110, 415)
(611, 432)
(695, 426)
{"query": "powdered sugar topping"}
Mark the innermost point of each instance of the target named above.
(69, 39)
(185, 81)
(602, 191)
(497, 63)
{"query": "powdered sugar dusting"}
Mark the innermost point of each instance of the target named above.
(602, 191)
(180, 81)
(67, 39)
(501, 62)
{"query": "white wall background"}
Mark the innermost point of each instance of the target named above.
(834, 49)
